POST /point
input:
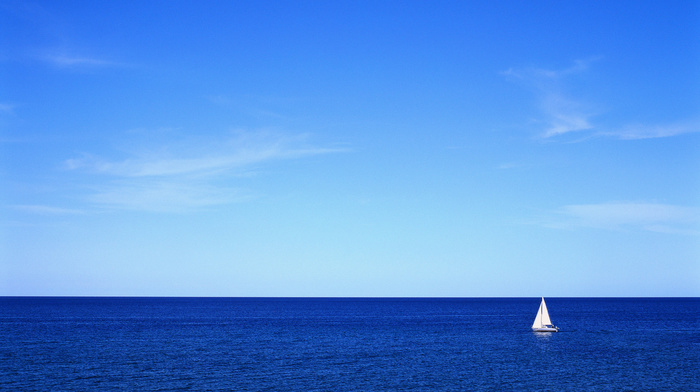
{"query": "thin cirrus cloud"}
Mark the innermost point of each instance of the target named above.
(190, 176)
(38, 209)
(68, 59)
(6, 107)
(641, 131)
(564, 114)
(656, 217)
(164, 195)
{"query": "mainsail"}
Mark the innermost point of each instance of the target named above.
(542, 318)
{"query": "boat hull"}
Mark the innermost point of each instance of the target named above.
(545, 329)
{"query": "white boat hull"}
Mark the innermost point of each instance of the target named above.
(545, 329)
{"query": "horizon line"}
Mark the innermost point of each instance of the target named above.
(335, 297)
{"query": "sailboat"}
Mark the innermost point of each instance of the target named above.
(542, 322)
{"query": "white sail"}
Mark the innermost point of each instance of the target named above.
(542, 317)
(545, 314)
(538, 318)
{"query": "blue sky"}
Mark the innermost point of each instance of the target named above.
(309, 148)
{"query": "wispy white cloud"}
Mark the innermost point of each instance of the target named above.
(46, 210)
(561, 113)
(165, 195)
(208, 158)
(73, 60)
(69, 56)
(67, 61)
(628, 215)
(6, 107)
(564, 114)
(509, 165)
(540, 77)
(256, 106)
(67, 50)
(188, 174)
(641, 131)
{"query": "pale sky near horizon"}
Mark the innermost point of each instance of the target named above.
(350, 148)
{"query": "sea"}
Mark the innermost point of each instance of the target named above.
(347, 344)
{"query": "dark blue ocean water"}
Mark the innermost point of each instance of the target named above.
(170, 344)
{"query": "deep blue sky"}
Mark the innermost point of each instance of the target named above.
(311, 148)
